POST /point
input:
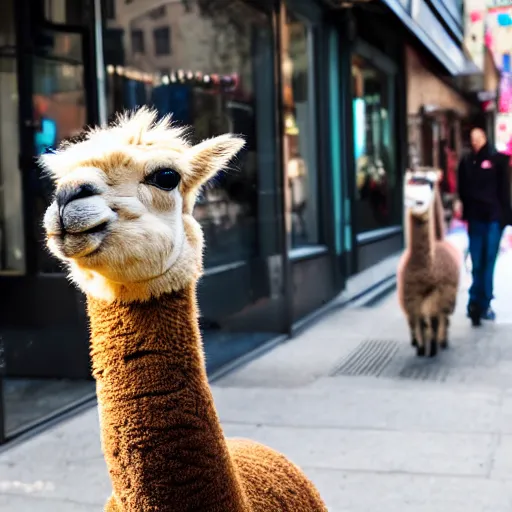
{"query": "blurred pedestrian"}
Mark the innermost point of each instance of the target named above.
(484, 194)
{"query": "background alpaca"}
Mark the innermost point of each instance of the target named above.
(429, 269)
(122, 221)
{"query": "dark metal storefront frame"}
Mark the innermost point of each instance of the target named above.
(26, 297)
(358, 27)
(32, 290)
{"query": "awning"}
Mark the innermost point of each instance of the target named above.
(419, 18)
(473, 80)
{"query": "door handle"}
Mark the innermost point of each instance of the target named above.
(34, 124)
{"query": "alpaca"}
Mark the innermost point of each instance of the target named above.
(429, 269)
(122, 223)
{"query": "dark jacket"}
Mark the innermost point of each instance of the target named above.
(484, 186)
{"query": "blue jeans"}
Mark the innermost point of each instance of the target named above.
(484, 244)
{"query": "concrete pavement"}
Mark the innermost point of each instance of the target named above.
(373, 426)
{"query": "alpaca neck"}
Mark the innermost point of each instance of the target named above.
(161, 437)
(421, 238)
(439, 215)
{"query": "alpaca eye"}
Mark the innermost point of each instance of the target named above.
(166, 179)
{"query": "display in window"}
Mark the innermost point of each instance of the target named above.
(299, 145)
(374, 149)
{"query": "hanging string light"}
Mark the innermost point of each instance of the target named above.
(227, 83)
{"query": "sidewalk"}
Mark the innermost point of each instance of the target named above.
(375, 427)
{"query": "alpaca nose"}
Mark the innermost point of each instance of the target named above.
(70, 193)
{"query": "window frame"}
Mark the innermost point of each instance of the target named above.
(386, 65)
(162, 29)
(310, 16)
(138, 31)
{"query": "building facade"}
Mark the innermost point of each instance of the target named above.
(318, 89)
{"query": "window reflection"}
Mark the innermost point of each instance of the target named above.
(300, 159)
(59, 108)
(12, 247)
(373, 147)
(200, 61)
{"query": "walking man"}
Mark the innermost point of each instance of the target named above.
(484, 193)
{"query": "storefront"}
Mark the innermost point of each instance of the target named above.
(273, 221)
(374, 89)
(318, 92)
(47, 92)
(215, 65)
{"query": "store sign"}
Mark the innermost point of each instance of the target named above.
(474, 31)
(504, 133)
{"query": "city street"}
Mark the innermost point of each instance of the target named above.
(373, 426)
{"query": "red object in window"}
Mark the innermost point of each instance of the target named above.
(475, 16)
(450, 175)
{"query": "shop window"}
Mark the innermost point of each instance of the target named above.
(68, 12)
(60, 112)
(110, 9)
(12, 247)
(137, 41)
(299, 139)
(162, 38)
(377, 201)
(214, 74)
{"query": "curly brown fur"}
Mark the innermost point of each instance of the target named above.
(161, 437)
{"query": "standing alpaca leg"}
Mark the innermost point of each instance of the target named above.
(412, 327)
(419, 329)
(427, 332)
(447, 305)
(442, 331)
(430, 311)
(435, 322)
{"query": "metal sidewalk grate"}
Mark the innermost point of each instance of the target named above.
(430, 370)
(390, 359)
(370, 358)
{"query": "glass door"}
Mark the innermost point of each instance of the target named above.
(47, 94)
(12, 246)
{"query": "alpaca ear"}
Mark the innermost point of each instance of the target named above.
(212, 155)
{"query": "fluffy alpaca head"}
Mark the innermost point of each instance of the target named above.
(122, 216)
(419, 191)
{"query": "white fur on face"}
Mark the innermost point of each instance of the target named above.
(129, 239)
(136, 241)
(418, 198)
(419, 191)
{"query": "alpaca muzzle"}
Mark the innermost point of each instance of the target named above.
(77, 221)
